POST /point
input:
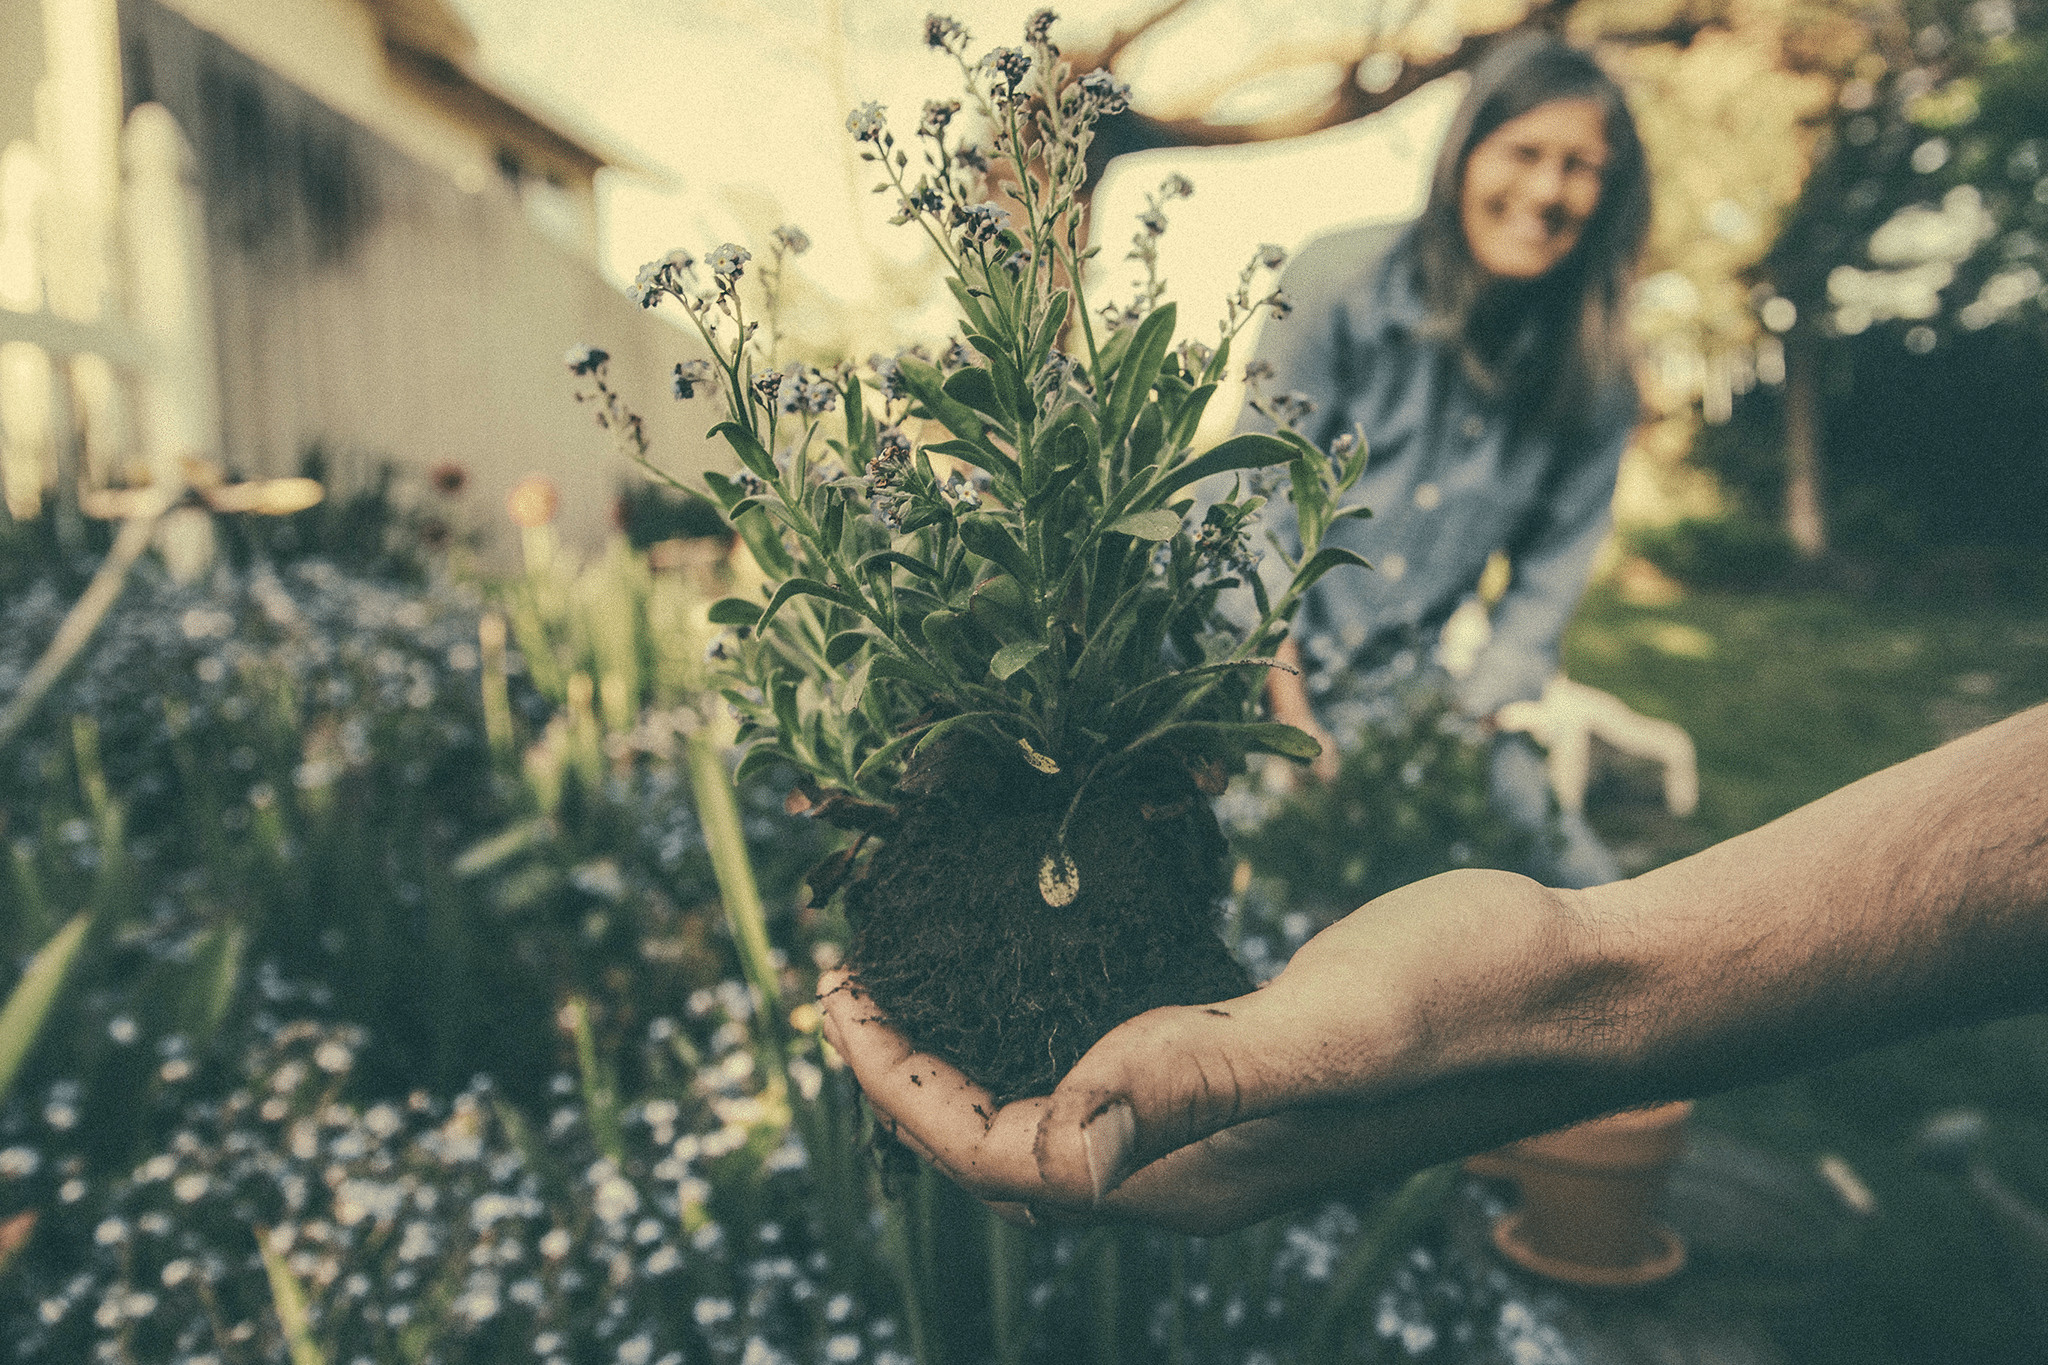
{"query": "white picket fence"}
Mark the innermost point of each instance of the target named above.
(106, 354)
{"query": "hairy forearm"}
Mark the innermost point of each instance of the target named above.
(1914, 900)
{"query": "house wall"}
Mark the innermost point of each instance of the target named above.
(366, 304)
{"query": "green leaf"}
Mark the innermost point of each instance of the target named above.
(1048, 330)
(853, 399)
(21, 1020)
(724, 491)
(1070, 446)
(914, 671)
(288, 1297)
(1158, 524)
(760, 756)
(1148, 433)
(747, 448)
(502, 847)
(788, 724)
(946, 632)
(888, 753)
(1262, 736)
(928, 388)
(762, 539)
(856, 684)
(1324, 560)
(809, 587)
(981, 455)
(977, 720)
(1190, 416)
(734, 611)
(1135, 375)
(868, 564)
(1248, 450)
(217, 969)
(977, 319)
(844, 646)
(1012, 657)
(999, 604)
(985, 536)
(976, 388)
(1111, 355)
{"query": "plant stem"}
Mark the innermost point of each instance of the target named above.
(599, 1094)
(1106, 1296)
(718, 812)
(1386, 1240)
(28, 1007)
(81, 621)
(1007, 1264)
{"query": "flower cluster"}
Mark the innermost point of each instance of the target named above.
(1006, 68)
(674, 1229)
(958, 602)
(1144, 250)
(690, 376)
(1240, 303)
(807, 391)
(1108, 94)
(589, 363)
(1224, 542)
(885, 475)
(1287, 410)
(945, 34)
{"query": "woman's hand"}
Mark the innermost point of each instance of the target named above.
(1206, 1118)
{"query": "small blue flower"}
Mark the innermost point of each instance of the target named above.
(689, 376)
(866, 123)
(1103, 90)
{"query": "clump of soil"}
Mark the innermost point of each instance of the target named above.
(956, 945)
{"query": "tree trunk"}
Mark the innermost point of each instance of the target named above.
(1805, 515)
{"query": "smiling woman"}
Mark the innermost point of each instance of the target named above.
(1478, 354)
(1531, 186)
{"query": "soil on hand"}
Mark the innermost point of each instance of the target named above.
(956, 945)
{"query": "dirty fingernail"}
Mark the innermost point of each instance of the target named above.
(1105, 1143)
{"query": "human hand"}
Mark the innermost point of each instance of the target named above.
(1343, 1072)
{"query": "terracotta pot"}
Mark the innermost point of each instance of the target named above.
(1589, 1199)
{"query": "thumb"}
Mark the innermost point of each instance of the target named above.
(1154, 1084)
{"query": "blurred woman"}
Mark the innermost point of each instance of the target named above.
(1480, 353)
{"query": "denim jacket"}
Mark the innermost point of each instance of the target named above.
(1450, 478)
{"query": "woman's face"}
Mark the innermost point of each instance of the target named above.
(1531, 185)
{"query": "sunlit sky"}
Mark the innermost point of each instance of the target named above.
(735, 112)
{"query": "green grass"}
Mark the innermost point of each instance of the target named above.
(1787, 698)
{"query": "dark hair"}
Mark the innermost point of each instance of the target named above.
(1578, 306)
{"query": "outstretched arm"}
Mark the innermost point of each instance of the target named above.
(1477, 1007)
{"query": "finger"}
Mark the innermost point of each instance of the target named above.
(1156, 1083)
(1250, 1172)
(930, 1105)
